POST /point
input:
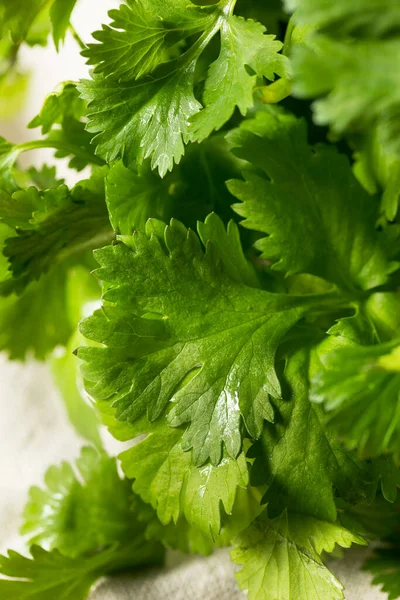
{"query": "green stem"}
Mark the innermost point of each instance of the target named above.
(60, 145)
(287, 42)
(77, 37)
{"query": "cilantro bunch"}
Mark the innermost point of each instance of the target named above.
(237, 225)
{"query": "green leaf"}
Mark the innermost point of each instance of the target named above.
(69, 382)
(318, 219)
(137, 115)
(355, 82)
(53, 226)
(372, 520)
(91, 522)
(299, 458)
(359, 18)
(24, 324)
(140, 34)
(284, 554)
(134, 197)
(176, 326)
(9, 154)
(50, 575)
(140, 120)
(227, 242)
(17, 17)
(30, 22)
(83, 288)
(378, 168)
(60, 14)
(360, 389)
(164, 477)
(230, 84)
(385, 566)
(61, 120)
(45, 177)
(194, 189)
(44, 255)
(85, 509)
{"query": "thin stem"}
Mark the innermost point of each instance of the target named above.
(60, 145)
(287, 42)
(77, 37)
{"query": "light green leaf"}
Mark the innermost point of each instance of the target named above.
(83, 510)
(230, 84)
(318, 219)
(26, 327)
(17, 17)
(50, 575)
(45, 177)
(360, 389)
(53, 226)
(164, 477)
(282, 557)
(60, 14)
(378, 168)
(359, 18)
(62, 121)
(356, 83)
(9, 154)
(83, 288)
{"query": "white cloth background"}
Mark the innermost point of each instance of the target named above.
(34, 431)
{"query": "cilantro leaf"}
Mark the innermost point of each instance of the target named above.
(9, 154)
(291, 452)
(284, 554)
(17, 17)
(194, 189)
(142, 119)
(140, 34)
(60, 14)
(138, 116)
(26, 327)
(355, 83)
(21, 19)
(165, 477)
(176, 326)
(360, 387)
(83, 288)
(227, 242)
(359, 18)
(44, 255)
(85, 509)
(229, 84)
(378, 168)
(49, 575)
(52, 226)
(61, 120)
(93, 525)
(45, 177)
(135, 196)
(318, 218)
